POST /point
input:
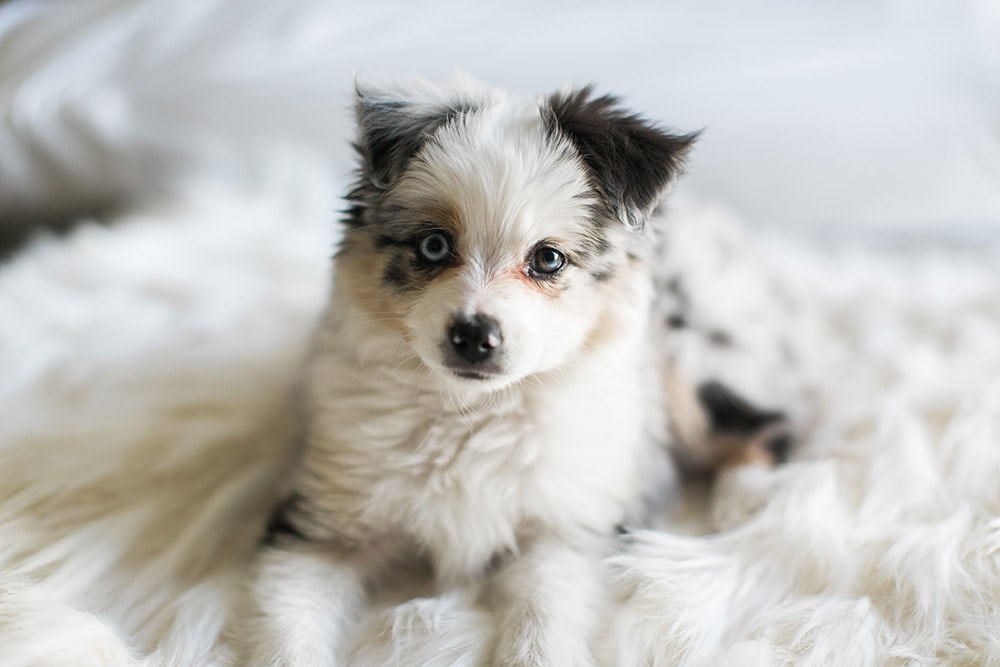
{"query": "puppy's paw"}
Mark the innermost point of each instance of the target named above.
(526, 642)
(506, 656)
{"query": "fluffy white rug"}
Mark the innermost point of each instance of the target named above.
(146, 391)
(148, 364)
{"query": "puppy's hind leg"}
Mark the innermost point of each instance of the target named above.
(715, 428)
(739, 379)
(722, 436)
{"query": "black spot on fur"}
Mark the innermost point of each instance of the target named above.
(631, 160)
(601, 275)
(676, 287)
(595, 245)
(780, 447)
(729, 413)
(389, 241)
(720, 338)
(590, 251)
(397, 274)
(405, 269)
(676, 321)
(498, 559)
(280, 525)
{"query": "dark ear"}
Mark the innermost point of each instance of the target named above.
(631, 160)
(392, 128)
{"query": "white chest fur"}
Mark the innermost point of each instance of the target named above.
(392, 452)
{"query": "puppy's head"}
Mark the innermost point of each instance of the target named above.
(490, 234)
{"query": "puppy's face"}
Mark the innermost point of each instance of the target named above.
(483, 235)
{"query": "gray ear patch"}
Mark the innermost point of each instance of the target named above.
(630, 159)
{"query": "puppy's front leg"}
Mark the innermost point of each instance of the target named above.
(550, 600)
(307, 599)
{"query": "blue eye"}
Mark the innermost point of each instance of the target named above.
(546, 260)
(434, 247)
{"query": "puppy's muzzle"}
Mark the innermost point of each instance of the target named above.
(476, 343)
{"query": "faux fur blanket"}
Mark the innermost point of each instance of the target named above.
(147, 364)
(146, 392)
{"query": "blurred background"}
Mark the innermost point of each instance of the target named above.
(873, 118)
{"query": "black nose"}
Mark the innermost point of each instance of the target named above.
(475, 338)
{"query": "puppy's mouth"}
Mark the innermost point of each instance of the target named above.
(467, 374)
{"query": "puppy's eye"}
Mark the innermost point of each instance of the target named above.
(547, 260)
(434, 247)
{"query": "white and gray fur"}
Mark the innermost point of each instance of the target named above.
(516, 478)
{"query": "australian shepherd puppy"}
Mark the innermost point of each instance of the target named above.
(489, 392)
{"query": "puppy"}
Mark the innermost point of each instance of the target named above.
(489, 392)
